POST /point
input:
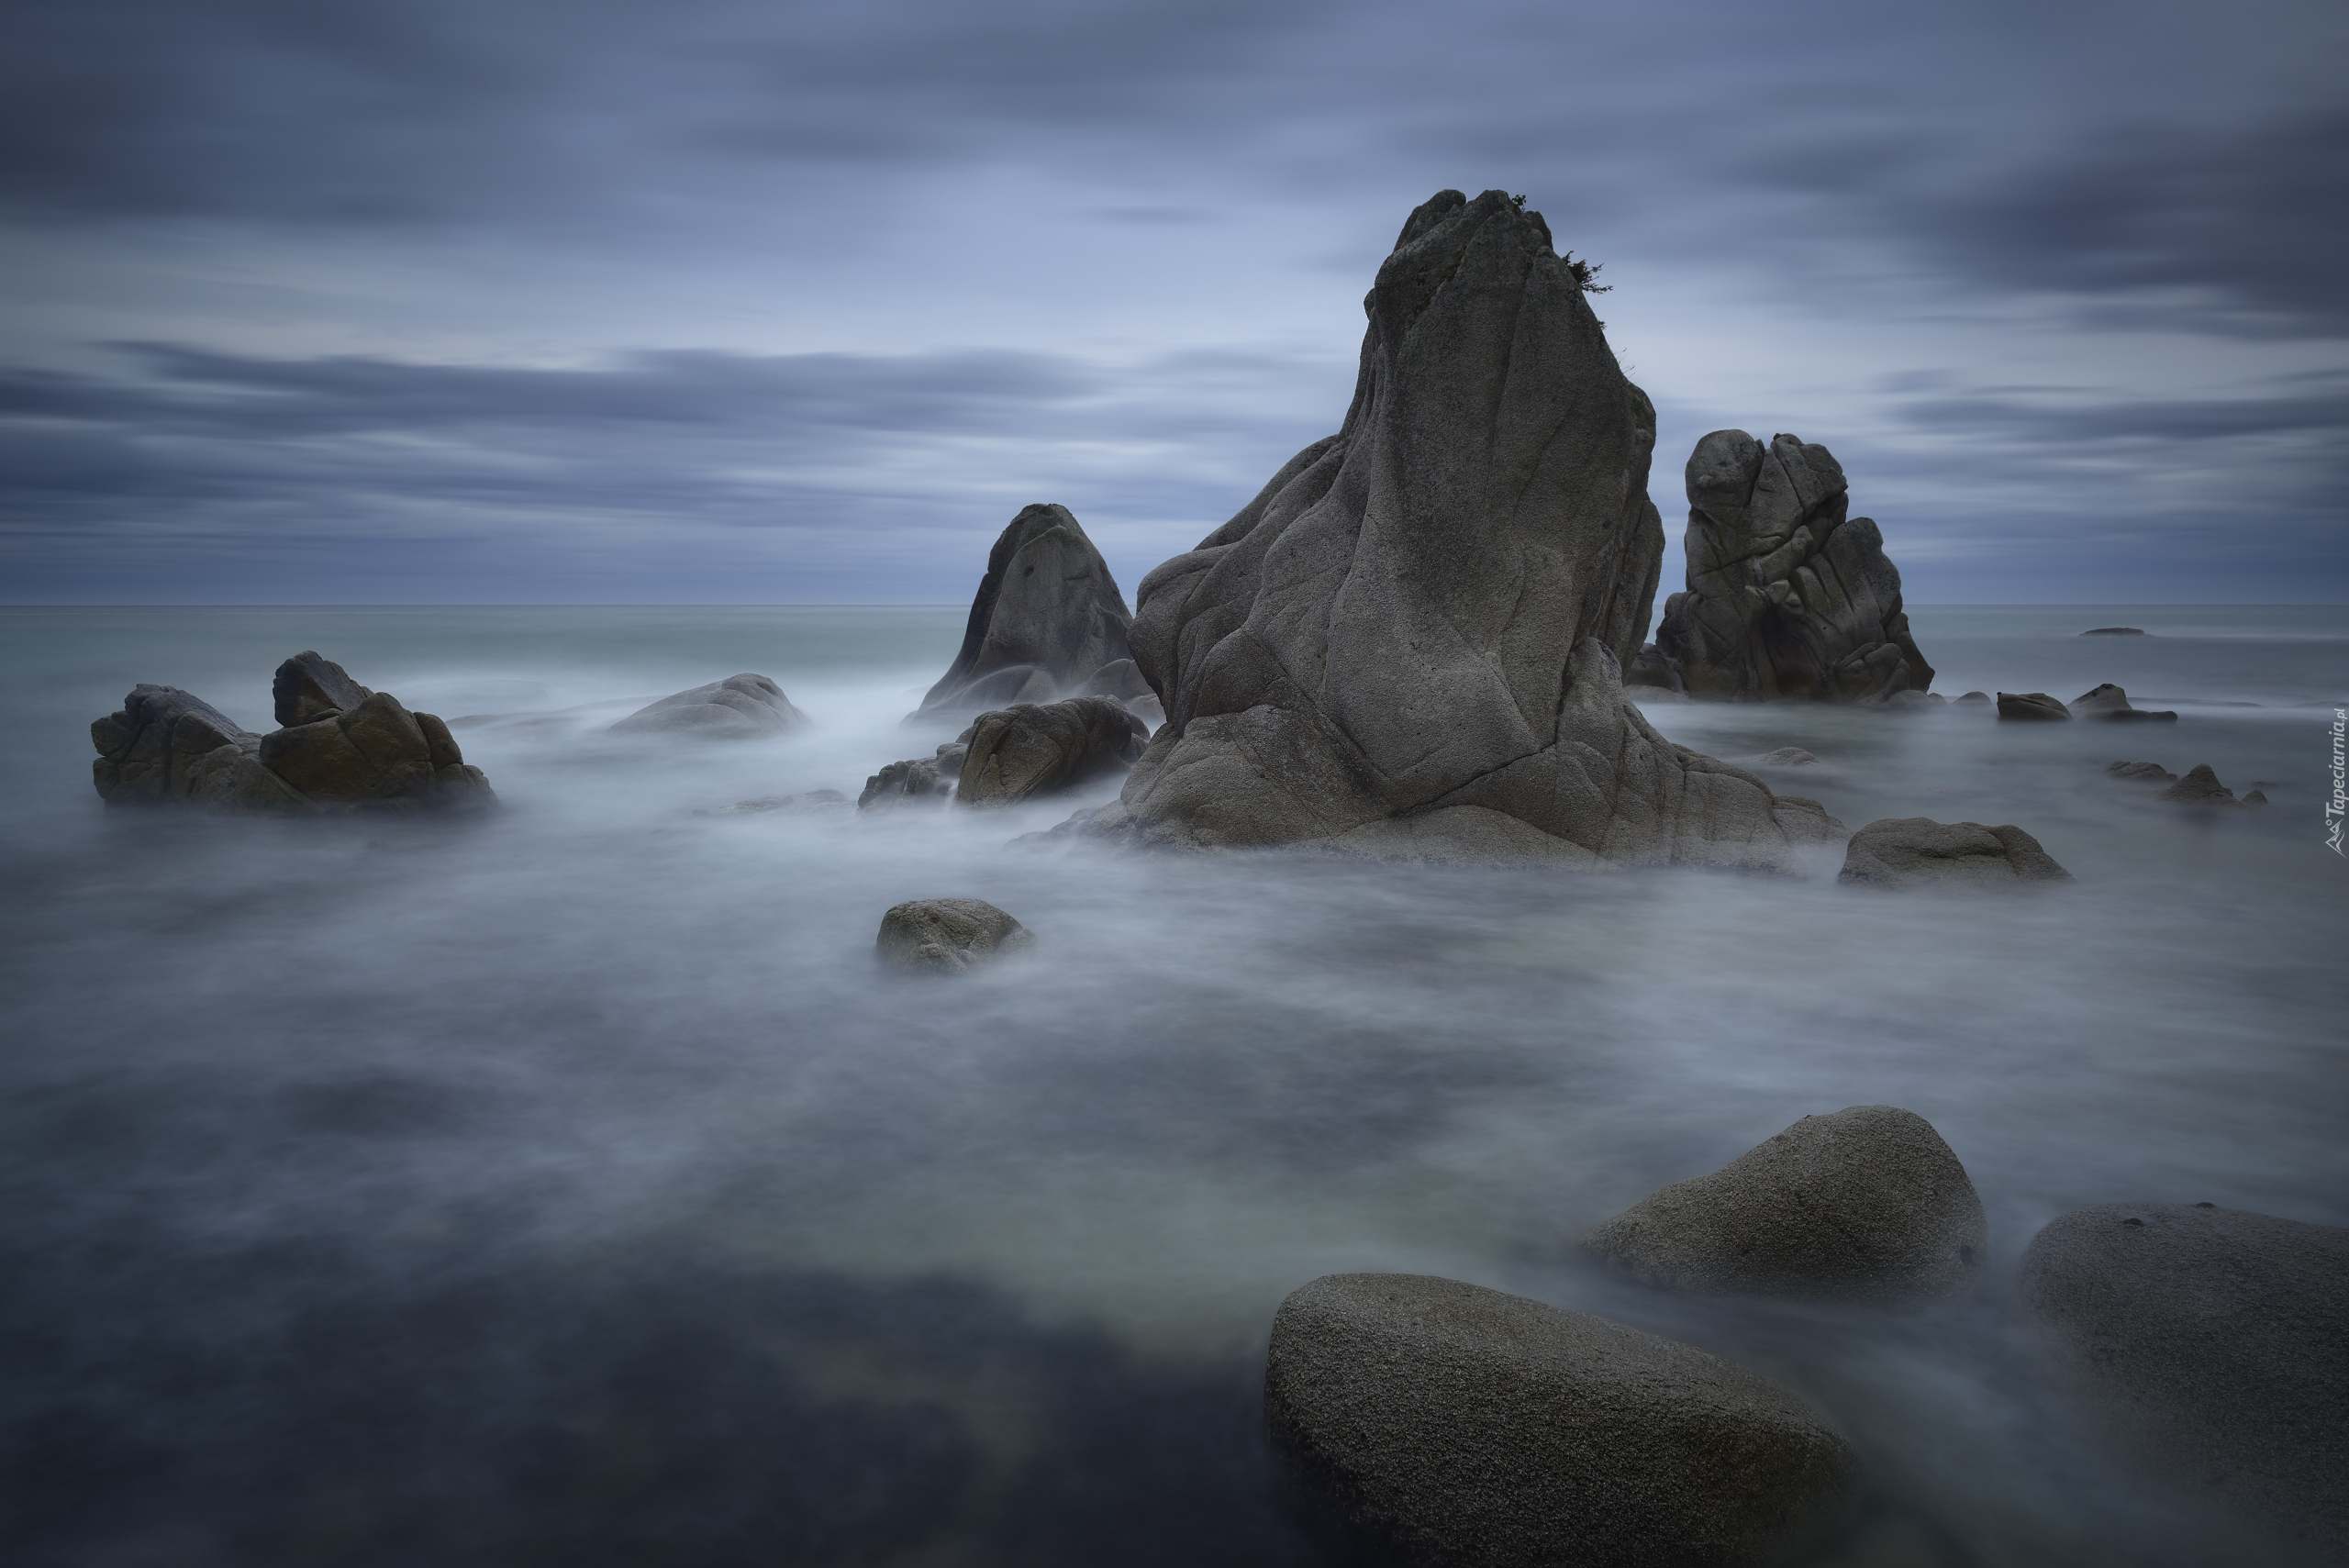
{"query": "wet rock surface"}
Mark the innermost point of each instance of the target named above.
(2032, 707)
(2216, 1341)
(917, 781)
(1444, 1423)
(1407, 644)
(339, 747)
(1867, 1203)
(2110, 702)
(1048, 620)
(1785, 596)
(1917, 852)
(740, 708)
(1020, 752)
(947, 936)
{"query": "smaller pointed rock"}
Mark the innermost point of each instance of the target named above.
(1048, 619)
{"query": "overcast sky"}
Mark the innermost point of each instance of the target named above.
(584, 301)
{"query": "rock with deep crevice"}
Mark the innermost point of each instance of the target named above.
(2216, 1343)
(1048, 621)
(1785, 596)
(1444, 1423)
(1917, 852)
(1867, 1203)
(1409, 643)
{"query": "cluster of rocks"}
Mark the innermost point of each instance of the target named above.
(1441, 1422)
(338, 747)
(2199, 788)
(2106, 702)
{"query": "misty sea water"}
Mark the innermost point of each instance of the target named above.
(571, 1187)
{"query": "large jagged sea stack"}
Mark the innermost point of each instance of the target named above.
(1411, 641)
(1787, 597)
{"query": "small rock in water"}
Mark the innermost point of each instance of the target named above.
(2200, 786)
(740, 708)
(2116, 631)
(2217, 1341)
(947, 936)
(917, 781)
(1866, 1205)
(2108, 701)
(1019, 752)
(2142, 772)
(2256, 797)
(1972, 697)
(1913, 851)
(1783, 757)
(2031, 706)
(1453, 1424)
(813, 800)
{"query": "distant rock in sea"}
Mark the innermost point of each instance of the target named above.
(740, 708)
(2036, 706)
(1409, 643)
(1048, 621)
(1867, 1203)
(2215, 1343)
(2141, 773)
(2110, 702)
(339, 747)
(1917, 852)
(2116, 631)
(1786, 597)
(1972, 697)
(1442, 1422)
(2200, 786)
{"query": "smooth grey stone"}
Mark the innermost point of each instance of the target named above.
(2200, 786)
(2216, 1341)
(308, 688)
(740, 708)
(1785, 597)
(2143, 773)
(1974, 697)
(1453, 1424)
(2034, 706)
(2256, 797)
(947, 936)
(1047, 618)
(2110, 702)
(1407, 644)
(1020, 752)
(2116, 631)
(917, 781)
(1867, 1203)
(1917, 852)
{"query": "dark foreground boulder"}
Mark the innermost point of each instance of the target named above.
(2110, 702)
(1452, 1424)
(339, 747)
(1028, 750)
(1786, 597)
(947, 936)
(1866, 1205)
(2036, 706)
(1916, 852)
(1408, 644)
(1048, 620)
(740, 708)
(2216, 1341)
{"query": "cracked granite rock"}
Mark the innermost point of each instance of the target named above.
(1787, 597)
(1410, 643)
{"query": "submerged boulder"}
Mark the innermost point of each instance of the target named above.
(339, 747)
(1783, 757)
(1866, 1205)
(2200, 786)
(2141, 773)
(1453, 1424)
(1048, 620)
(1018, 753)
(1409, 642)
(2034, 706)
(740, 708)
(1916, 852)
(2216, 1340)
(947, 936)
(1972, 697)
(1785, 596)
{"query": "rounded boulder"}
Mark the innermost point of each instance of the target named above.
(947, 936)
(1867, 1203)
(1447, 1423)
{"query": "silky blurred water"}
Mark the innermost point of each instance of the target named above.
(570, 1187)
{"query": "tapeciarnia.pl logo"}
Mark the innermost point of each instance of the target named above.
(2336, 808)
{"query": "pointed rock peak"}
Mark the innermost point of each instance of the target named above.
(1047, 618)
(308, 688)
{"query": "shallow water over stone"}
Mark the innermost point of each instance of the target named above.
(573, 1188)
